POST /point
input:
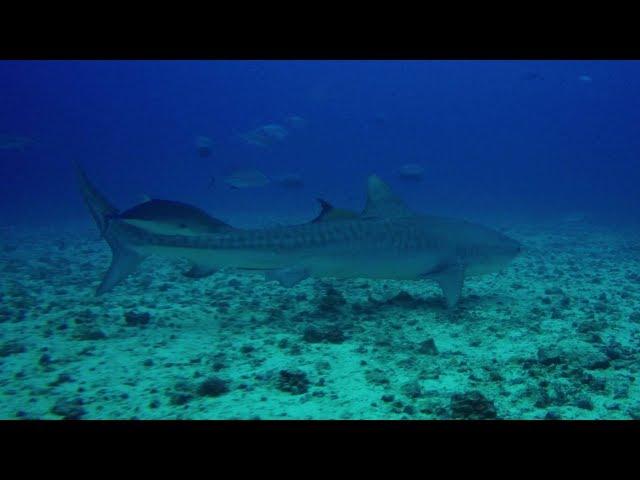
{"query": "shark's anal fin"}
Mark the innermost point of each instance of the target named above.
(288, 277)
(124, 261)
(450, 277)
(200, 271)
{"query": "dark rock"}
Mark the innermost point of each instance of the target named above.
(596, 361)
(312, 334)
(11, 348)
(615, 351)
(594, 383)
(388, 398)
(550, 356)
(69, 409)
(428, 347)
(412, 389)
(554, 291)
(331, 301)
(594, 338)
(213, 387)
(148, 362)
(332, 334)
(376, 377)
(62, 378)
(293, 381)
(246, 349)
(45, 360)
(295, 349)
(552, 415)
(217, 366)
(409, 410)
(634, 412)
(584, 402)
(134, 319)
(472, 406)
(180, 398)
(88, 332)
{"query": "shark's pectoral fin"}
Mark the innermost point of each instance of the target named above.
(199, 271)
(124, 261)
(450, 278)
(288, 277)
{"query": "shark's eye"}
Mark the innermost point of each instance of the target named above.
(182, 225)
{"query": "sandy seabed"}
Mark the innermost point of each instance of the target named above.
(556, 335)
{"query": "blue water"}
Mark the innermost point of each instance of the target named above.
(525, 136)
(547, 152)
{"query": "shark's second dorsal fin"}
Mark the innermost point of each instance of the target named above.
(382, 202)
(329, 213)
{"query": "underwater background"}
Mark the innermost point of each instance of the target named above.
(546, 152)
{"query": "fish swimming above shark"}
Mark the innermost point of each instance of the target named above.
(167, 217)
(385, 241)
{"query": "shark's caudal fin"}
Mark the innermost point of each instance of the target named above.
(124, 259)
(100, 208)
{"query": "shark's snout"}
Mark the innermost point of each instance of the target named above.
(513, 247)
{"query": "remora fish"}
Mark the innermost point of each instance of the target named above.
(385, 241)
(166, 217)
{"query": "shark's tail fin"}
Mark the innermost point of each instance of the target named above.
(124, 259)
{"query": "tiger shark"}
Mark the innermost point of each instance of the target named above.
(385, 241)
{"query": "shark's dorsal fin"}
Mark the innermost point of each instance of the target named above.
(329, 213)
(382, 202)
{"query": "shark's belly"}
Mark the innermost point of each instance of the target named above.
(227, 258)
(346, 261)
(381, 265)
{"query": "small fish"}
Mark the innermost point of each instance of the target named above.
(411, 171)
(296, 122)
(246, 179)
(585, 78)
(266, 135)
(289, 180)
(532, 76)
(204, 145)
(379, 119)
(13, 142)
